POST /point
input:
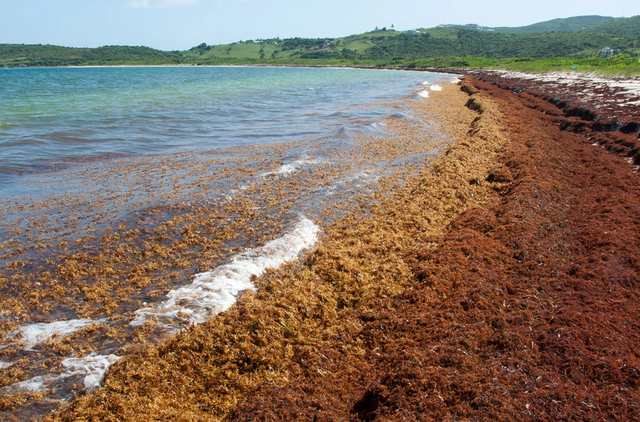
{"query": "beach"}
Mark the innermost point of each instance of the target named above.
(105, 254)
(496, 279)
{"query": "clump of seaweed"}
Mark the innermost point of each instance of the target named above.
(307, 320)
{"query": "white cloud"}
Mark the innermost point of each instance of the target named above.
(148, 4)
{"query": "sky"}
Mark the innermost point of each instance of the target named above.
(182, 24)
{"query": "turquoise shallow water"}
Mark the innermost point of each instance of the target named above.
(54, 115)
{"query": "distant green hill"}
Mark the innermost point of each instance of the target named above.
(575, 23)
(625, 27)
(375, 48)
(52, 55)
(429, 43)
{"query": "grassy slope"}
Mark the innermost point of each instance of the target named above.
(620, 27)
(435, 47)
(436, 42)
(443, 47)
(575, 23)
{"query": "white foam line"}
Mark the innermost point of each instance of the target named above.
(39, 333)
(4, 365)
(34, 384)
(215, 291)
(435, 88)
(291, 167)
(286, 169)
(92, 367)
(424, 94)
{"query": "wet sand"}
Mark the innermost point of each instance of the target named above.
(500, 282)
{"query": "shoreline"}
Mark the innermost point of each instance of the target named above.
(87, 285)
(298, 307)
(496, 309)
(431, 70)
(446, 70)
(501, 282)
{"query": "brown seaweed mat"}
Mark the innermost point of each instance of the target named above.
(501, 283)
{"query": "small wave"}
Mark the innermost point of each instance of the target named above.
(215, 291)
(435, 88)
(425, 83)
(424, 94)
(359, 180)
(92, 367)
(291, 167)
(33, 384)
(399, 115)
(287, 169)
(39, 333)
(378, 125)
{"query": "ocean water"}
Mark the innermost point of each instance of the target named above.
(52, 116)
(207, 176)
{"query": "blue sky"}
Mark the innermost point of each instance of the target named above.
(182, 24)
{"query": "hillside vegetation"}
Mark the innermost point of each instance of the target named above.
(620, 34)
(462, 46)
(49, 55)
(575, 23)
(629, 27)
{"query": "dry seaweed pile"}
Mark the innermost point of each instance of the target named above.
(499, 283)
(605, 109)
(307, 322)
(527, 308)
(72, 255)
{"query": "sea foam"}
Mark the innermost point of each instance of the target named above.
(292, 167)
(215, 291)
(92, 367)
(39, 333)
